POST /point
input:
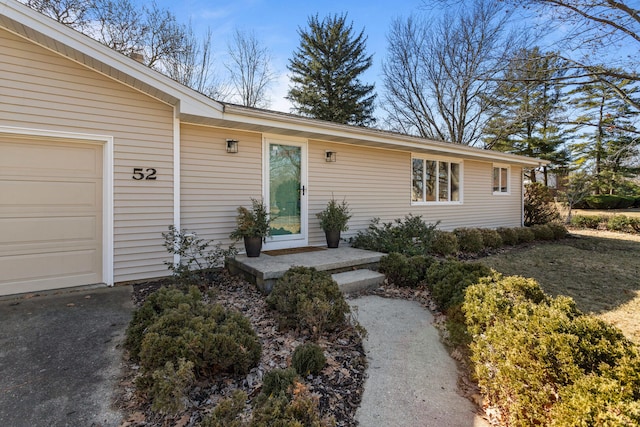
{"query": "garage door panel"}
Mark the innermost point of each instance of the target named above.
(49, 159)
(25, 232)
(17, 194)
(50, 214)
(49, 271)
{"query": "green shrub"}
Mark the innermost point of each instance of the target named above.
(492, 298)
(447, 280)
(213, 338)
(559, 230)
(491, 238)
(524, 234)
(625, 202)
(586, 221)
(603, 201)
(404, 271)
(308, 359)
(299, 410)
(634, 223)
(542, 232)
(227, 411)
(619, 223)
(636, 203)
(509, 236)
(469, 240)
(156, 304)
(456, 325)
(444, 243)
(168, 386)
(539, 206)
(308, 298)
(595, 401)
(278, 381)
(540, 361)
(409, 237)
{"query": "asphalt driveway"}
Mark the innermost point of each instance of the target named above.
(60, 357)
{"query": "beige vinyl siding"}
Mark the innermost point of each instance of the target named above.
(213, 182)
(42, 90)
(377, 183)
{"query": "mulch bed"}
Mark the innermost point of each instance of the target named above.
(339, 386)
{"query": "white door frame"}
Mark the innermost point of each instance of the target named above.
(107, 184)
(284, 242)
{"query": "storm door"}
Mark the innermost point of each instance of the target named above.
(286, 193)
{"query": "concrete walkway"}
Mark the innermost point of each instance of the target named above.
(60, 357)
(412, 380)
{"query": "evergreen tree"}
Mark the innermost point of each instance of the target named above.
(528, 103)
(610, 145)
(325, 73)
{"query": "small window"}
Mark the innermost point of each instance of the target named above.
(501, 180)
(435, 181)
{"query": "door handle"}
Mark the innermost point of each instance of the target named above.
(303, 190)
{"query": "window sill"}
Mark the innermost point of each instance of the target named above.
(436, 203)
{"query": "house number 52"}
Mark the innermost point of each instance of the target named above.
(144, 173)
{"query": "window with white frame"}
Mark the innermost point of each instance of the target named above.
(435, 181)
(501, 179)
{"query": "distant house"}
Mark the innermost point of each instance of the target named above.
(100, 154)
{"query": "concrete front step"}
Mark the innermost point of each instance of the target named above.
(358, 280)
(265, 270)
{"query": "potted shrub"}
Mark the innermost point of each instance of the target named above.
(253, 226)
(333, 220)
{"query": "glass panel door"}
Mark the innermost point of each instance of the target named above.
(286, 194)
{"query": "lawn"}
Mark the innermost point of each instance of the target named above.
(599, 270)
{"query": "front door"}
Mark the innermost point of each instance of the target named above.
(286, 193)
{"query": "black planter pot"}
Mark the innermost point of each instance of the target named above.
(333, 238)
(253, 246)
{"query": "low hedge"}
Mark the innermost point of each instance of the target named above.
(469, 239)
(447, 280)
(404, 271)
(621, 223)
(610, 201)
(540, 361)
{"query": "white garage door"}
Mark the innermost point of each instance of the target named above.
(50, 214)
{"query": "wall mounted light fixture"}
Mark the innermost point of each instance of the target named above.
(330, 156)
(232, 145)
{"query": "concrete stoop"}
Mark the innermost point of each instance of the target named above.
(355, 281)
(265, 270)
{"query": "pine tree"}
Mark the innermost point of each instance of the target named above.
(610, 142)
(528, 100)
(325, 72)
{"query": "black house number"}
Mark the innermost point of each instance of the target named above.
(144, 173)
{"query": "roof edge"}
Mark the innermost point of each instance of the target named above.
(20, 19)
(267, 117)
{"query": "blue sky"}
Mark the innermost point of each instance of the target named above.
(276, 24)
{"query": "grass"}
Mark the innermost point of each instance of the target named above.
(599, 270)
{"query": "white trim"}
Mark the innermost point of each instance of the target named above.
(450, 160)
(177, 195)
(282, 242)
(107, 185)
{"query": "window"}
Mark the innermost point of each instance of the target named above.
(435, 181)
(500, 180)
